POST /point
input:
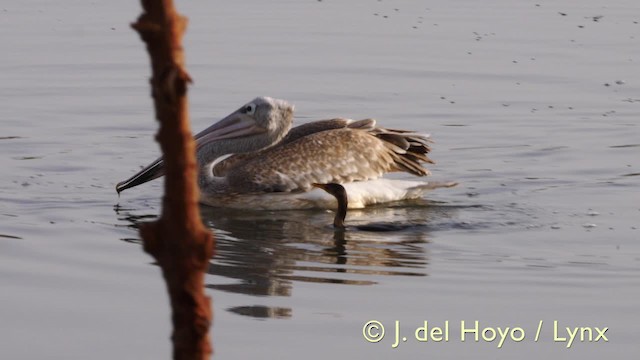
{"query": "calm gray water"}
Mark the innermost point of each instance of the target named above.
(535, 110)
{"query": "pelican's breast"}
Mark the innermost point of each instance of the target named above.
(360, 194)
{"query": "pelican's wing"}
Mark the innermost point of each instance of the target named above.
(313, 127)
(300, 131)
(341, 156)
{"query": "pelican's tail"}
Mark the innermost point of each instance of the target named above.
(419, 190)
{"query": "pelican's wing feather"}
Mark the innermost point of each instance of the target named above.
(313, 127)
(342, 155)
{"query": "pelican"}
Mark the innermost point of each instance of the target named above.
(253, 158)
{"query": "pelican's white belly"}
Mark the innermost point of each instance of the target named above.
(361, 194)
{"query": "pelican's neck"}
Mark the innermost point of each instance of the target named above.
(209, 153)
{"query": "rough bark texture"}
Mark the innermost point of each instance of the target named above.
(178, 241)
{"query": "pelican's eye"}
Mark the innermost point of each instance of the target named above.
(249, 109)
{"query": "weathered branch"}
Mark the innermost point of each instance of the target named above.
(178, 241)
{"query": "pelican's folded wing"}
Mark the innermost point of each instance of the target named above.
(340, 156)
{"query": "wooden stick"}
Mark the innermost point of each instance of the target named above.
(178, 240)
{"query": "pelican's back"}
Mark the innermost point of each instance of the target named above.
(341, 155)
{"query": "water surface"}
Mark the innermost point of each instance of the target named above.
(534, 109)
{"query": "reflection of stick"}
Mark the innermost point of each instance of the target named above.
(178, 241)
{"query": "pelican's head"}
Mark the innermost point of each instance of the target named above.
(261, 123)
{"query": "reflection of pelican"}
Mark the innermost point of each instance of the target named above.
(267, 254)
(274, 168)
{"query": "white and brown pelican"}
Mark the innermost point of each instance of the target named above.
(274, 166)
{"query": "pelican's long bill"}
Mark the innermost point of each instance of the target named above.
(237, 124)
(152, 171)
